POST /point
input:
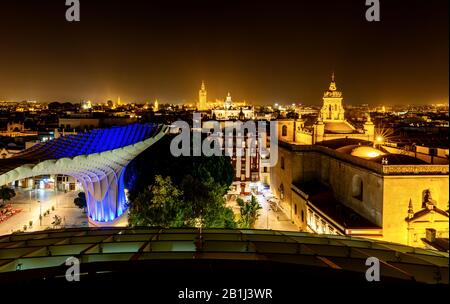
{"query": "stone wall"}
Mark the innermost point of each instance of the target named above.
(386, 190)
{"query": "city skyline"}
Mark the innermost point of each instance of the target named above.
(261, 52)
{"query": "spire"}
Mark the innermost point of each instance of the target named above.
(333, 83)
(410, 209)
(203, 87)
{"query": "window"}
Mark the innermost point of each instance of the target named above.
(357, 187)
(303, 216)
(282, 162)
(284, 131)
(295, 209)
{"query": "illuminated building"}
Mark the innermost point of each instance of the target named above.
(220, 105)
(202, 98)
(86, 105)
(330, 124)
(334, 179)
(97, 159)
(156, 106)
(347, 188)
(229, 110)
(249, 166)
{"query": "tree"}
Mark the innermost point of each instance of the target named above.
(80, 201)
(203, 182)
(206, 203)
(6, 194)
(249, 212)
(158, 205)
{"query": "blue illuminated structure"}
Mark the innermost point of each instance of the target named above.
(97, 159)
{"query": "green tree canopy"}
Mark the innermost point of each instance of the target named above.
(202, 182)
(158, 205)
(249, 212)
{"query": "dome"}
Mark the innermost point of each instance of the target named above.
(366, 152)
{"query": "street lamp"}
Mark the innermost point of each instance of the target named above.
(40, 213)
(378, 141)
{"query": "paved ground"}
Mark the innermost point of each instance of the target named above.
(34, 202)
(268, 218)
(72, 216)
(271, 219)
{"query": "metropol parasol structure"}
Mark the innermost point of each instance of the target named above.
(97, 159)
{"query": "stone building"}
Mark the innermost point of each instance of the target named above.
(334, 179)
(330, 123)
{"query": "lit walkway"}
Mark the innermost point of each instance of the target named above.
(268, 218)
(271, 219)
(27, 201)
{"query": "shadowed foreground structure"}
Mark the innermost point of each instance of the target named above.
(115, 254)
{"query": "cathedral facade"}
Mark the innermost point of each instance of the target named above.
(330, 123)
(223, 109)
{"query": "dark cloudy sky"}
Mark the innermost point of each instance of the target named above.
(261, 51)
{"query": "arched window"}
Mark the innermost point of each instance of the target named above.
(284, 130)
(357, 187)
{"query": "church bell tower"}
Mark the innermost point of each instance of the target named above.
(202, 103)
(332, 109)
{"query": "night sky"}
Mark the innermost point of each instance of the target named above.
(261, 51)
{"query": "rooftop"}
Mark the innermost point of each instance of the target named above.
(339, 127)
(109, 250)
(95, 141)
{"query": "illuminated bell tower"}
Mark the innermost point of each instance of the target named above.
(228, 102)
(332, 109)
(202, 103)
(369, 129)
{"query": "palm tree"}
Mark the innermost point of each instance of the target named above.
(249, 212)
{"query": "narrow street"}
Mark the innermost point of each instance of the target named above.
(271, 219)
(268, 218)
